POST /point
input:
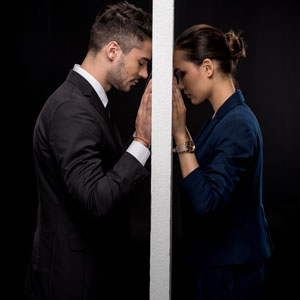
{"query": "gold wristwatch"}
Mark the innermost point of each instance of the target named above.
(188, 146)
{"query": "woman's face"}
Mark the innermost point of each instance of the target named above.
(193, 79)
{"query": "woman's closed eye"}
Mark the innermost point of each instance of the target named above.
(181, 74)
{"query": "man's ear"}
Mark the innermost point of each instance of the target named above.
(208, 67)
(112, 50)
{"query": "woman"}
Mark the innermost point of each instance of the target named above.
(226, 233)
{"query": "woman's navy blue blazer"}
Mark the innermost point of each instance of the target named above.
(224, 219)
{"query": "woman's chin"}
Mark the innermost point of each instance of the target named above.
(194, 101)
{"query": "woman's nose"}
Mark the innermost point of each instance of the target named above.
(180, 84)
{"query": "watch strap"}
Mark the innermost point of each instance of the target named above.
(188, 146)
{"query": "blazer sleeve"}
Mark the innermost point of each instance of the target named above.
(76, 135)
(209, 189)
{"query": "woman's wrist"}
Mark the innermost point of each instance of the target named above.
(181, 139)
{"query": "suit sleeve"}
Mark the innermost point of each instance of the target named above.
(209, 190)
(76, 136)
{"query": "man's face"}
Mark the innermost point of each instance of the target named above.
(131, 67)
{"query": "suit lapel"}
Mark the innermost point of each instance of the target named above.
(88, 91)
(118, 137)
(97, 103)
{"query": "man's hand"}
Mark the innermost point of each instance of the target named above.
(143, 119)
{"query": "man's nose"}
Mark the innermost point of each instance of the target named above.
(143, 72)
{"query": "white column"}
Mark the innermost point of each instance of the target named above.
(161, 157)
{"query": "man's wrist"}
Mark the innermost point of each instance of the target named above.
(143, 141)
(139, 151)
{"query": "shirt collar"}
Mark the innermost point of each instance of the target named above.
(93, 82)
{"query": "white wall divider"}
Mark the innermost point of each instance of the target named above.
(161, 157)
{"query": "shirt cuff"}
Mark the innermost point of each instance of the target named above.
(139, 151)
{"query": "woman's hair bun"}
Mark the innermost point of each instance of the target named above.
(235, 45)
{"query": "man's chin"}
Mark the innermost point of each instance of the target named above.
(126, 89)
(122, 88)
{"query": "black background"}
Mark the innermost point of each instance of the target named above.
(46, 38)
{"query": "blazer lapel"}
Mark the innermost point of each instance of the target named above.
(235, 99)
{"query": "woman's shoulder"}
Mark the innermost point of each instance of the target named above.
(240, 122)
(242, 115)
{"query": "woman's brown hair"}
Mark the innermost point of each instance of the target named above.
(205, 41)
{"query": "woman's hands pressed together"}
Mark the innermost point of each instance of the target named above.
(178, 116)
(188, 161)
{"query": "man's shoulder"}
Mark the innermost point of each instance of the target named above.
(66, 92)
(66, 97)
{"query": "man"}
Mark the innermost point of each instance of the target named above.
(83, 172)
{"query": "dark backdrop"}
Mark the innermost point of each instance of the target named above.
(269, 79)
(46, 38)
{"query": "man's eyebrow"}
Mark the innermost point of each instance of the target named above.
(146, 59)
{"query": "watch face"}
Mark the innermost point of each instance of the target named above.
(190, 146)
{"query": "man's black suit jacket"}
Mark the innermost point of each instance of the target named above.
(84, 176)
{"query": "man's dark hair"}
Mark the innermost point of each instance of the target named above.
(124, 23)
